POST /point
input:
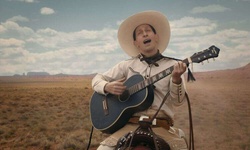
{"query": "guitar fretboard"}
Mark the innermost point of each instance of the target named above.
(143, 84)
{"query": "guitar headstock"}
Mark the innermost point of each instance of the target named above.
(211, 52)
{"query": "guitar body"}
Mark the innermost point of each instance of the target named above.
(118, 111)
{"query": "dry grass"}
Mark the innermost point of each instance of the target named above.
(53, 113)
(220, 109)
(44, 113)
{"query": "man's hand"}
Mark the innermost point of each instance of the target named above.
(115, 87)
(179, 69)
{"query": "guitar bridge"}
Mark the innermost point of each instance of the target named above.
(105, 106)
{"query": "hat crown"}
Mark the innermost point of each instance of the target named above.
(156, 19)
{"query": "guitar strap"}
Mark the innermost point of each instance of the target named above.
(191, 133)
(131, 138)
(145, 133)
(163, 101)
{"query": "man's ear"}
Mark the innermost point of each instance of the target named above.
(157, 38)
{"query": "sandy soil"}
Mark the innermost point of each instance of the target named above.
(220, 107)
(52, 112)
(220, 110)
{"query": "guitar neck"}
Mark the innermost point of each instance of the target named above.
(143, 84)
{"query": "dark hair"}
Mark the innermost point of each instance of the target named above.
(153, 29)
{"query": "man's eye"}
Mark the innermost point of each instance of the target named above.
(140, 32)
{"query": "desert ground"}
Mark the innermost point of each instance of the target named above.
(52, 112)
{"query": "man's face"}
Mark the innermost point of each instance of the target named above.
(146, 40)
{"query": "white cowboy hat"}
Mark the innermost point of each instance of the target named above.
(156, 19)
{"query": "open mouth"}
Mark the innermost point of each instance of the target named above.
(147, 41)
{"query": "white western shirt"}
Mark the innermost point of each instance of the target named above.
(122, 69)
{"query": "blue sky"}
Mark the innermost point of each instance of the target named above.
(80, 36)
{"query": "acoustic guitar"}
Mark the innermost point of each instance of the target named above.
(109, 113)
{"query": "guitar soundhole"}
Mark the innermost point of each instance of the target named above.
(125, 96)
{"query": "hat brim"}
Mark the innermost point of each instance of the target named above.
(156, 19)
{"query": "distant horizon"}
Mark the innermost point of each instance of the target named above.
(90, 74)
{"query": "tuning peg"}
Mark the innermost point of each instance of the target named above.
(207, 61)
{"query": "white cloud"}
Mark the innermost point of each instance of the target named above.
(234, 45)
(18, 18)
(11, 42)
(11, 29)
(54, 51)
(29, 1)
(118, 23)
(2, 29)
(190, 35)
(52, 39)
(209, 9)
(91, 51)
(47, 32)
(26, 1)
(192, 26)
(47, 11)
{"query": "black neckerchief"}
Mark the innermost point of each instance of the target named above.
(152, 59)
